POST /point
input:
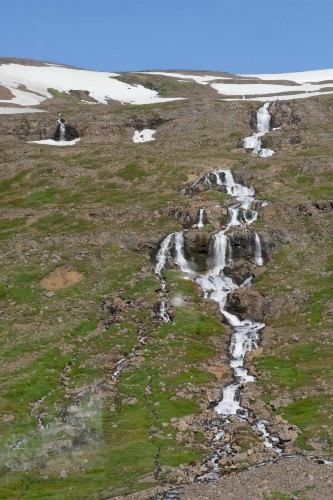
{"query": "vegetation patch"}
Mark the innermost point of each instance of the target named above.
(132, 171)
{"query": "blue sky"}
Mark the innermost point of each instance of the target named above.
(239, 36)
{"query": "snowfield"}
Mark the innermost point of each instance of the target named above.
(254, 88)
(29, 85)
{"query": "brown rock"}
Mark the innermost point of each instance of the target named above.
(247, 303)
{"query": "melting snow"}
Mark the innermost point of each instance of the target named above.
(264, 89)
(29, 85)
(288, 97)
(51, 142)
(144, 135)
(203, 80)
(307, 85)
(320, 75)
(14, 111)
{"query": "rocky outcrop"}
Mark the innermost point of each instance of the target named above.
(283, 114)
(243, 245)
(248, 303)
(70, 133)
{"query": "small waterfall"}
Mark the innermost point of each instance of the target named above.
(164, 253)
(233, 217)
(201, 218)
(263, 127)
(180, 258)
(257, 251)
(163, 314)
(229, 405)
(163, 256)
(263, 119)
(220, 249)
(62, 130)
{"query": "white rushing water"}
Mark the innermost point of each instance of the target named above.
(62, 131)
(201, 223)
(254, 141)
(216, 285)
(257, 251)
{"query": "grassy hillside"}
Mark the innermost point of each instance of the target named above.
(70, 429)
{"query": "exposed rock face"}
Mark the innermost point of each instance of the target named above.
(284, 114)
(146, 122)
(247, 303)
(243, 244)
(253, 119)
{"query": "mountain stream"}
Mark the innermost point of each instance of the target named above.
(215, 285)
(263, 119)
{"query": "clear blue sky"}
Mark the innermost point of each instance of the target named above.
(239, 36)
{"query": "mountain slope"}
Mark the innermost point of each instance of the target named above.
(89, 409)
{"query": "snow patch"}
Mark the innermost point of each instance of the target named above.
(144, 135)
(288, 97)
(265, 89)
(51, 142)
(203, 80)
(320, 75)
(14, 111)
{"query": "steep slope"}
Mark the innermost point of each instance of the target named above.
(99, 396)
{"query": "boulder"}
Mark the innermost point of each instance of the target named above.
(247, 303)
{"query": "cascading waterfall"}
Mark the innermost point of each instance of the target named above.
(216, 286)
(162, 258)
(62, 130)
(263, 127)
(201, 223)
(257, 251)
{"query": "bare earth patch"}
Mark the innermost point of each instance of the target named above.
(61, 278)
(5, 93)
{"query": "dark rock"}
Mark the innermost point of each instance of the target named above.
(284, 114)
(247, 303)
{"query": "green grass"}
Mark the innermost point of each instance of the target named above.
(10, 227)
(305, 414)
(297, 366)
(59, 223)
(132, 171)
(58, 93)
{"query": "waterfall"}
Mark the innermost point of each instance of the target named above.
(216, 286)
(201, 218)
(233, 217)
(263, 127)
(257, 251)
(220, 248)
(164, 253)
(163, 314)
(263, 119)
(62, 130)
(180, 258)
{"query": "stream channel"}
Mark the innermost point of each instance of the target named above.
(215, 285)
